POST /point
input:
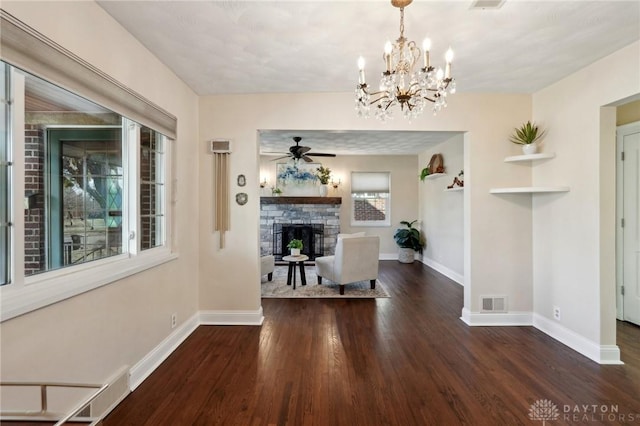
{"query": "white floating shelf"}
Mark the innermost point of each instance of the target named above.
(529, 157)
(457, 188)
(435, 175)
(529, 190)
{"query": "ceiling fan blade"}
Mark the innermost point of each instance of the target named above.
(274, 153)
(307, 159)
(321, 154)
(280, 158)
(303, 149)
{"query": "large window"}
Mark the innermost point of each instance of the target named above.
(370, 199)
(93, 184)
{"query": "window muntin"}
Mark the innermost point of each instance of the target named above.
(370, 199)
(5, 196)
(152, 188)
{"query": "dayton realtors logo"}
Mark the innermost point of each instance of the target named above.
(545, 410)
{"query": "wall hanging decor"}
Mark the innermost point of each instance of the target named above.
(221, 186)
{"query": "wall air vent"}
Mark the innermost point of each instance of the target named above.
(219, 146)
(486, 4)
(494, 304)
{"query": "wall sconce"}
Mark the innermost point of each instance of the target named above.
(336, 184)
(263, 183)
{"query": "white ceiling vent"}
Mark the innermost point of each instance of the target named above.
(487, 4)
(494, 304)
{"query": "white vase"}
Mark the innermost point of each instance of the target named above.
(406, 255)
(324, 190)
(295, 252)
(529, 149)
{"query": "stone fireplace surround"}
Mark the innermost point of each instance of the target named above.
(299, 210)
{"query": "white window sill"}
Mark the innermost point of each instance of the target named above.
(51, 287)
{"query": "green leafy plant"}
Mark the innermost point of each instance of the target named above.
(527, 134)
(295, 244)
(323, 174)
(425, 172)
(408, 237)
(276, 191)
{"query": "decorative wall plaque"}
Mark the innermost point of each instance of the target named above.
(241, 198)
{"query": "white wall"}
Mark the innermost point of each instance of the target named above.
(574, 233)
(404, 187)
(90, 336)
(442, 213)
(230, 277)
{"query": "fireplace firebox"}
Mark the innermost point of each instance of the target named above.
(311, 234)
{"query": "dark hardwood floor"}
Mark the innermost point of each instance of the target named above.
(406, 360)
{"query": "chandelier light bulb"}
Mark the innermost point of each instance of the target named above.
(361, 63)
(449, 56)
(387, 54)
(361, 78)
(426, 44)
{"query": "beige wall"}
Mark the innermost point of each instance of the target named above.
(503, 223)
(404, 187)
(628, 113)
(574, 233)
(90, 336)
(442, 213)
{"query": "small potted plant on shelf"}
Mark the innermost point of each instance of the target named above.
(295, 246)
(276, 191)
(409, 241)
(323, 174)
(527, 135)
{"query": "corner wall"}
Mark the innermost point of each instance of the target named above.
(574, 233)
(442, 212)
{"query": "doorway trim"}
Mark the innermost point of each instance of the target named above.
(621, 132)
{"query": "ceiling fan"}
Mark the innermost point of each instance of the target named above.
(298, 152)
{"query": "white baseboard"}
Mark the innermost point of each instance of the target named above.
(231, 317)
(443, 270)
(388, 256)
(506, 319)
(153, 359)
(602, 354)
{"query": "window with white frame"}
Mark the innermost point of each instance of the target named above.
(93, 184)
(370, 198)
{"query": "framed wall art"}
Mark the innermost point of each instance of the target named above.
(297, 179)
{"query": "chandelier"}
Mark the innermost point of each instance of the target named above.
(401, 84)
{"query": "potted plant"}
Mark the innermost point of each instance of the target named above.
(276, 192)
(295, 246)
(408, 239)
(527, 135)
(323, 174)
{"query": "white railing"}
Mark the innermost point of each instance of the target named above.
(44, 413)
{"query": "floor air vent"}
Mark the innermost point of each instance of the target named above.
(494, 304)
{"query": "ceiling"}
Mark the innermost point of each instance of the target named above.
(235, 46)
(354, 142)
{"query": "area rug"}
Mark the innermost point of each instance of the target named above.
(278, 288)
